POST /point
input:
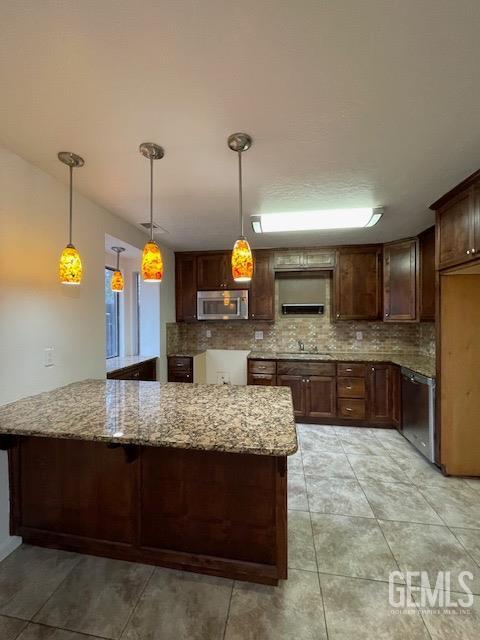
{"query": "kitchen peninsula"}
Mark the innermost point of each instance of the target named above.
(185, 476)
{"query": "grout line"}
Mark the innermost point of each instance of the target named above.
(463, 546)
(140, 596)
(80, 633)
(228, 611)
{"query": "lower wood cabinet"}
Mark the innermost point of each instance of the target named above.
(143, 371)
(338, 393)
(180, 369)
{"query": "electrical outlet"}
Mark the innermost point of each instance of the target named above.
(359, 335)
(208, 333)
(258, 335)
(223, 377)
(48, 357)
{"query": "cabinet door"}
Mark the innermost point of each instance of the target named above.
(400, 276)
(384, 400)
(357, 283)
(288, 260)
(186, 287)
(262, 288)
(426, 309)
(318, 259)
(263, 379)
(476, 241)
(211, 271)
(297, 386)
(456, 230)
(320, 397)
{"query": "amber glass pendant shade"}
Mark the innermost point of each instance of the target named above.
(117, 282)
(242, 261)
(152, 262)
(70, 268)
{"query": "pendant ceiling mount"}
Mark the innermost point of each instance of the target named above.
(239, 142)
(151, 150)
(71, 159)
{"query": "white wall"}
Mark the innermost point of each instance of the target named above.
(35, 310)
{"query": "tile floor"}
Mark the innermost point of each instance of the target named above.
(362, 503)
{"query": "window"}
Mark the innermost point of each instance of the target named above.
(112, 317)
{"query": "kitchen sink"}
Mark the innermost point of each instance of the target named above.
(325, 356)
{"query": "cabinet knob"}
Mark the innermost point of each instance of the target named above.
(349, 388)
(468, 252)
(386, 315)
(373, 368)
(347, 409)
(253, 315)
(338, 315)
(474, 251)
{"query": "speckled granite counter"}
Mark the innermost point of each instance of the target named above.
(122, 362)
(419, 363)
(237, 419)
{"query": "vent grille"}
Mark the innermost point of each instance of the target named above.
(156, 227)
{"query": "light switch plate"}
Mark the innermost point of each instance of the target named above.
(359, 335)
(208, 333)
(48, 359)
(258, 335)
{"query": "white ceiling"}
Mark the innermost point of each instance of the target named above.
(349, 103)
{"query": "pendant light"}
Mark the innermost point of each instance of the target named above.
(152, 262)
(242, 259)
(117, 282)
(70, 265)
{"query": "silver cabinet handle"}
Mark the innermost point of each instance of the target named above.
(348, 409)
(349, 388)
(348, 369)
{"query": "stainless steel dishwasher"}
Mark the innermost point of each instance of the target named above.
(418, 411)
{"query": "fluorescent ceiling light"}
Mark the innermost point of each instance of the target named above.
(316, 220)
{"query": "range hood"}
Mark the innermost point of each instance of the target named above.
(302, 308)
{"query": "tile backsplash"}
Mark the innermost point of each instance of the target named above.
(313, 331)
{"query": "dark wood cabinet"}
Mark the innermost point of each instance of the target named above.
(214, 271)
(263, 379)
(426, 292)
(146, 370)
(320, 400)
(357, 283)
(384, 388)
(400, 278)
(456, 230)
(186, 287)
(297, 387)
(262, 287)
(180, 369)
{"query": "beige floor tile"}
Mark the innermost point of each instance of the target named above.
(97, 597)
(359, 610)
(362, 445)
(342, 496)
(293, 610)
(397, 501)
(458, 506)
(430, 548)
(301, 552)
(470, 539)
(356, 431)
(179, 605)
(10, 627)
(327, 464)
(29, 576)
(295, 464)
(316, 442)
(352, 547)
(451, 623)
(378, 468)
(297, 492)
(40, 632)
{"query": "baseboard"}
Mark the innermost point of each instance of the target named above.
(9, 545)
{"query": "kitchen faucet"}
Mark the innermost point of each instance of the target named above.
(301, 346)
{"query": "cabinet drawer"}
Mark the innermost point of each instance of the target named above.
(262, 366)
(180, 363)
(179, 376)
(350, 369)
(306, 368)
(263, 379)
(351, 387)
(348, 408)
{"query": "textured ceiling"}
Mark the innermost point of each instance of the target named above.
(349, 104)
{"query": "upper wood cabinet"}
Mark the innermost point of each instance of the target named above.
(262, 287)
(458, 224)
(357, 283)
(400, 277)
(304, 259)
(186, 287)
(426, 293)
(214, 271)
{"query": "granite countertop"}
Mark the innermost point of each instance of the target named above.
(238, 419)
(115, 364)
(186, 353)
(419, 363)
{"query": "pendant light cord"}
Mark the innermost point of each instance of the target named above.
(71, 201)
(151, 199)
(240, 198)
(118, 260)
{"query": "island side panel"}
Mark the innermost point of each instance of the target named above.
(211, 512)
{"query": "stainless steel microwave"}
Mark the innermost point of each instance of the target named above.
(222, 305)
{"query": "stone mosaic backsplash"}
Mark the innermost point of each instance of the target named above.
(313, 331)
